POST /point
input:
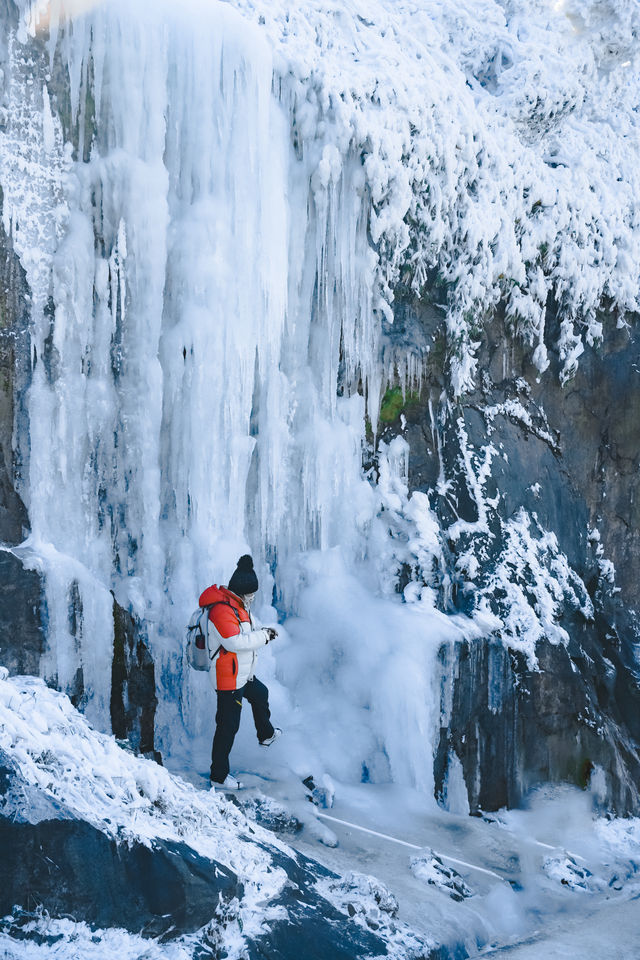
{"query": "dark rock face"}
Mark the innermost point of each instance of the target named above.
(14, 372)
(564, 461)
(72, 869)
(595, 419)
(133, 689)
(69, 868)
(22, 640)
(513, 728)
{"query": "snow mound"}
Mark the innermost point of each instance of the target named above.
(429, 868)
(370, 904)
(87, 776)
(44, 938)
(564, 869)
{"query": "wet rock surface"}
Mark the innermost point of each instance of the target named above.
(22, 638)
(133, 688)
(563, 460)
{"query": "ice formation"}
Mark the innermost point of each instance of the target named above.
(212, 213)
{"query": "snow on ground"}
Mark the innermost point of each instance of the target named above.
(608, 931)
(451, 879)
(67, 770)
(86, 775)
(53, 939)
(501, 864)
(515, 864)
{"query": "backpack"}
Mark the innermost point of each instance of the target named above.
(196, 646)
(197, 638)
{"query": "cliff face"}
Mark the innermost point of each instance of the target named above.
(24, 618)
(14, 363)
(21, 634)
(545, 479)
(567, 455)
(156, 240)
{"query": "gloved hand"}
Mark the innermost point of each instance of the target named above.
(271, 633)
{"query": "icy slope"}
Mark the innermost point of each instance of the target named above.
(62, 779)
(552, 874)
(57, 771)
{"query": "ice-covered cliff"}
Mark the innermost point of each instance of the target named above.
(353, 287)
(301, 281)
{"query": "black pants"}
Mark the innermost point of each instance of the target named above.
(228, 721)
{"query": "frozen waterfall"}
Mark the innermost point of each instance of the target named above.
(206, 354)
(213, 204)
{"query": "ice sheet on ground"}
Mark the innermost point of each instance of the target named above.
(502, 859)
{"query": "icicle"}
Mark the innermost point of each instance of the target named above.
(215, 348)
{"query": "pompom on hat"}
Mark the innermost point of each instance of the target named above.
(243, 579)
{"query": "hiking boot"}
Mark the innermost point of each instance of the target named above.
(229, 783)
(277, 732)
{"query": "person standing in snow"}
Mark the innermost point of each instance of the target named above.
(235, 659)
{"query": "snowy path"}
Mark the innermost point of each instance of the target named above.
(530, 897)
(403, 843)
(517, 908)
(425, 908)
(610, 932)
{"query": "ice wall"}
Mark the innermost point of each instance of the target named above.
(212, 205)
(204, 339)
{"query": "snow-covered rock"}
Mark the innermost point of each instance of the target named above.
(429, 868)
(120, 844)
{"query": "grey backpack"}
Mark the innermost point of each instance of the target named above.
(199, 631)
(196, 646)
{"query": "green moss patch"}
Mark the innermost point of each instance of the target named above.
(393, 403)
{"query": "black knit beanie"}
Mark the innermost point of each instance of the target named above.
(244, 578)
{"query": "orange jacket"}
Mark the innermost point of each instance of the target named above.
(235, 659)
